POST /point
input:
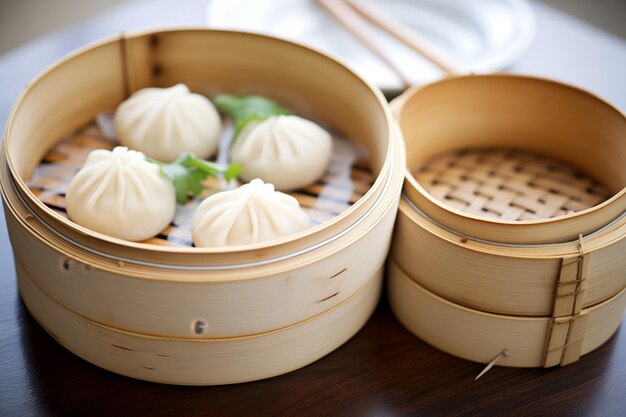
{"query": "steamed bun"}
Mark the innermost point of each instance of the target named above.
(252, 213)
(120, 194)
(287, 151)
(164, 122)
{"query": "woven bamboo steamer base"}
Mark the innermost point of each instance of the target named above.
(201, 362)
(480, 336)
(346, 180)
(239, 292)
(509, 184)
(515, 112)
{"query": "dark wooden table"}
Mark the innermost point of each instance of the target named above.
(383, 371)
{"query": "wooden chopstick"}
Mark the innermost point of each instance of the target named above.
(352, 21)
(400, 31)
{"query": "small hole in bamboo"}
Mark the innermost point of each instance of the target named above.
(200, 327)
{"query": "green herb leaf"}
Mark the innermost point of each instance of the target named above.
(239, 107)
(188, 172)
(242, 123)
(245, 109)
(233, 172)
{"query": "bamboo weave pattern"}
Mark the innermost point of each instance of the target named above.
(346, 180)
(509, 184)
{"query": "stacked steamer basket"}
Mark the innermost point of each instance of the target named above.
(511, 231)
(187, 315)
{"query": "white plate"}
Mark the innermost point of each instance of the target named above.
(475, 35)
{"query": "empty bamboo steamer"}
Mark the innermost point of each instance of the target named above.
(511, 232)
(176, 314)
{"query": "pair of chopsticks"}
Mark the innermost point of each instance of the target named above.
(354, 14)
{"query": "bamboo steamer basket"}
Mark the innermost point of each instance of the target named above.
(229, 308)
(514, 283)
(520, 113)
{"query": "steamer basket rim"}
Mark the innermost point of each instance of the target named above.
(223, 267)
(385, 170)
(398, 106)
(448, 229)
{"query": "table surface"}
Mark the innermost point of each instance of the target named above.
(384, 370)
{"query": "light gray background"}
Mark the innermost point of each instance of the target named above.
(24, 20)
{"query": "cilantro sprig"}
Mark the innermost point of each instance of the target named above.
(244, 109)
(187, 173)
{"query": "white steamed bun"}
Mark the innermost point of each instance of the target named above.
(287, 151)
(252, 213)
(163, 122)
(120, 194)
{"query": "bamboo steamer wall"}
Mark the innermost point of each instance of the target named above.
(226, 300)
(201, 361)
(547, 289)
(244, 312)
(517, 280)
(479, 336)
